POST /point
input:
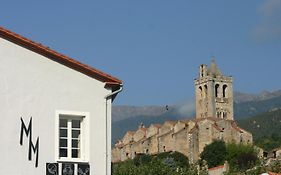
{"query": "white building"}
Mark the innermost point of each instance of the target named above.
(55, 111)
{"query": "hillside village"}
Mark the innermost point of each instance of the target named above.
(214, 120)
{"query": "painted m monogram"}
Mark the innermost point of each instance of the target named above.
(28, 134)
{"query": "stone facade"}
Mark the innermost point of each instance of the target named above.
(213, 92)
(213, 121)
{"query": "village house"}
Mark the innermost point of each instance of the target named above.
(214, 120)
(55, 111)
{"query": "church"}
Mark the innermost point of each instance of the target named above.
(214, 120)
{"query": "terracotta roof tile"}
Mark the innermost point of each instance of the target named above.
(215, 168)
(185, 121)
(272, 173)
(58, 57)
(166, 133)
(217, 127)
(234, 125)
(157, 125)
(143, 129)
(193, 129)
(171, 122)
(130, 132)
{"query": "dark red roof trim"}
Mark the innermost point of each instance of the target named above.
(60, 58)
(215, 168)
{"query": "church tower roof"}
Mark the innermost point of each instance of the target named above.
(214, 70)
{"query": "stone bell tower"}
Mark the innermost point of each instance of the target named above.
(214, 93)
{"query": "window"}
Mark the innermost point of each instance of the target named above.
(72, 136)
(201, 91)
(217, 90)
(218, 114)
(224, 91)
(224, 115)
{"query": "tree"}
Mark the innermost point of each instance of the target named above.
(214, 153)
(269, 142)
(240, 156)
(169, 163)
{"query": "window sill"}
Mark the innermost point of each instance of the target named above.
(72, 161)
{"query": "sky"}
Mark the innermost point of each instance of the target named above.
(156, 46)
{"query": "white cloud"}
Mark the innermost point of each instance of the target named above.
(186, 108)
(269, 27)
(270, 7)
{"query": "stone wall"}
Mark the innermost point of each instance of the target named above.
(187, 137)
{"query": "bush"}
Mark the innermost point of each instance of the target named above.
(241, 157)
(214, 153)
(180, 159)
(142, 159)
(169, 163)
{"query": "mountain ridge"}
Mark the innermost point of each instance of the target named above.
(245, 107)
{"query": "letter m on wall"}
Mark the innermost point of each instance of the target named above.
(28, 133)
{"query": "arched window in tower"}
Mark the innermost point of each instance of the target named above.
(200, 91)
(217, 89)
(206, 90)
(202, 71)
(224, 115)
(224, 91)
(218, 114)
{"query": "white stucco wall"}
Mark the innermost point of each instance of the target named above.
(34, 86)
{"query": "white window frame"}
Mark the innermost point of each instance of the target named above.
(84, 142)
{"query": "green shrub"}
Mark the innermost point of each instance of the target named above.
(214, 153)
(170, 163)
(142, 159)
(241, 156)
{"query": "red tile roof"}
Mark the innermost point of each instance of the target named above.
(186, 121)
(193, 129)
(234, 125)
(58, 57)
(217, 127)
(142, 129)
(157, 125)
(215, 168)
(171, 122)
(130, 132)
(272, 173)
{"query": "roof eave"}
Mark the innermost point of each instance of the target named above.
(60, 58)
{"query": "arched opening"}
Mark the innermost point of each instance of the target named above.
(224, 115)
(224, 91)
(218, 115)
(206, 90)
(217, 89)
